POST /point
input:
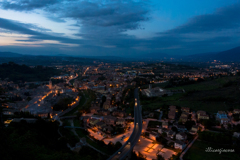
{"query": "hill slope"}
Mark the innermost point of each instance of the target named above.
(10, 54)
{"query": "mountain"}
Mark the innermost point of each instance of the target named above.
(156, 56)
(231, 55)
(10, 54)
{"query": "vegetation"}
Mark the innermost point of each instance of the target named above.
(34, 141)
(219, 138)
(15, 72)
(62, 104)
(154, 124)
(210, 95)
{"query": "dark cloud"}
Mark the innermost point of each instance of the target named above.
(224, 18)
(102, 25)
(26, 5)
(26, 29)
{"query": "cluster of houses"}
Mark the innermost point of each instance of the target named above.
(105, 121)
(174, 131)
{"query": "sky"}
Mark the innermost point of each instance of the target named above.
(125, 28)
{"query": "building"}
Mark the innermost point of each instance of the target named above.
(110, 120)
(180, 128)
(100, 125)
(107, 104)
(164, 124)
(92, 122)
(184, 117)
(181, 136)
(107, 129)
(224, 120)
(103, 112)
(118, 113)
(179, 145)
(156, 92)
(194, 130)
(236, 134)
(202, 115)
(221, 114)
(171, 134)
(171, 115)
(185, 109)
(162, 130)
(120, 121)
(153, 136)
(236, 111)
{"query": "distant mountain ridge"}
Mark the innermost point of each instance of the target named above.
(231, 55)
(10, 54)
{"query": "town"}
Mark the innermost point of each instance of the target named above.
(94, 106)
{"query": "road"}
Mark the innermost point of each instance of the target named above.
(186, 149)
(68, 81)
(125, 150)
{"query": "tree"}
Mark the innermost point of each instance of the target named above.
(164, 134)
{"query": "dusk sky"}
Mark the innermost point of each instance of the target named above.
(118, 27)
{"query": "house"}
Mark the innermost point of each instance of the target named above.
(92, 122)
(224, 120)
(118, 113)
(181, 136)
(179, 145)
(236, 134)
(164, 124)
(107, 104)
(171, 134)
(103, 112)
(110, 120)
(153, 136)
(120, 121)
(184, 117)
(162, 130)
(221, 114)
(202, 115)
(100, 124)
(107, 129)
(172, 108)
(194, 129)
(94, 109)
(185, 109)
(171, 114)
(236, 111)
(180, 128)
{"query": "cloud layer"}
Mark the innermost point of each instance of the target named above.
(102, 24)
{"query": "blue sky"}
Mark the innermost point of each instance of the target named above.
(118, 27)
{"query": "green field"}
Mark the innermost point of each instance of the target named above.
(85, 102)
(82, 101)
(197, 152)
(211, 96)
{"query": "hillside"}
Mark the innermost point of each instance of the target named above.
(15, 72)
(211, 96)
(10, 54)
(231, 55)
